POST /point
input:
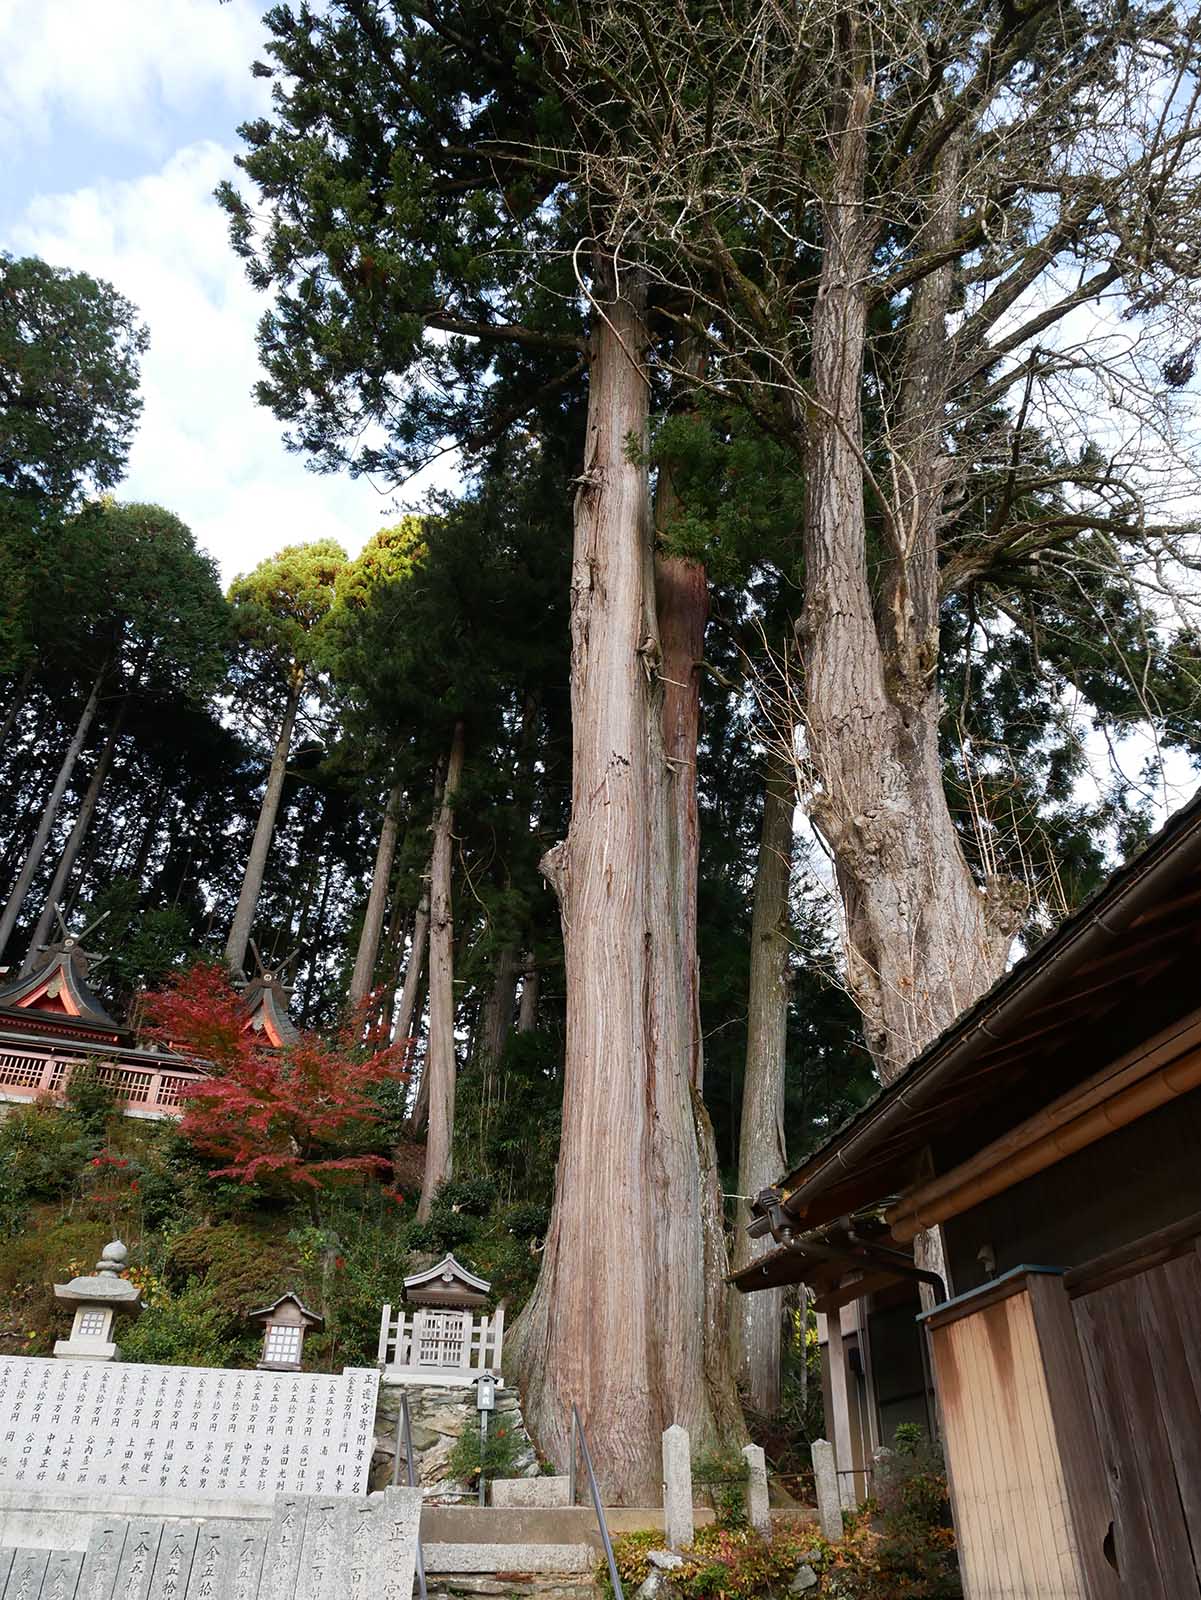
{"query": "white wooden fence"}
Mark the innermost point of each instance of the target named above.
(434, 1344)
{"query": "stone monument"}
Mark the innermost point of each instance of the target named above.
(677, 1488)
(99, 1299)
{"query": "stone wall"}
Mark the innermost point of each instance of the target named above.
(438, 1415)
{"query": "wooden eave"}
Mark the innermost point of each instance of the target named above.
(1121, 968)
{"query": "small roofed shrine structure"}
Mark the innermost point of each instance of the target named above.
(285, 1324)
(52, 1023)
(265, 999)
(449, 1336)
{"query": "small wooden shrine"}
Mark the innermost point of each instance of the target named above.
(449, 1335)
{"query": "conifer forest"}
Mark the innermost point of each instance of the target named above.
(797, 620)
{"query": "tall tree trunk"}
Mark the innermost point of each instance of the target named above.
(616, 1322)
(527, 1007)
(79, 829)
(256, 866)
(755, 1322)
(14, 707)
(407, 1009)
(496, 1021)
(440, 1062)
(682, 593)
(33, 856)
(922, 939)
(377, 901)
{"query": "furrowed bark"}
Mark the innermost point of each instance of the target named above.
(921, 943)
(256, 866)
(377, 901)
(407, 1009)
(37, 847)
(79, 829)
(616, 1322)
(755, 1320)
(441, 1065)
(527, 1007)
(682, 596)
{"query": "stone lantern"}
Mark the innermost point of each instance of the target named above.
(98, 1299)
(284, 1326)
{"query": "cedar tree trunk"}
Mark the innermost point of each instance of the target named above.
(377, 901)
(922, 940)
(755, 1323)
(79, 830)
(407, 1009)
(616, 1323)
(440, 1062)
(252, 881)
(37, 848)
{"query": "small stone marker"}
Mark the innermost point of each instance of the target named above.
(677, 1488)
(102, 1560)
(62, 1575)
(398, 1521)
(756, 1490)
(803, 1580)
(173, 1566)
(282, 1564)
(138, 1558)
(325, 1550)
(825, 1479)
(26, 1574)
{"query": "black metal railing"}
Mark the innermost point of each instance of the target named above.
(579, 1448)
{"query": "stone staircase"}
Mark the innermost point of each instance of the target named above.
(540, 1553)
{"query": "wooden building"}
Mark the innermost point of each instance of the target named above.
(52, 1023)
(1053, 1134)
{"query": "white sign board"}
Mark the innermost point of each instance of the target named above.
(126, 1428)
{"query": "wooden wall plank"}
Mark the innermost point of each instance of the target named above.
(1011, 1501)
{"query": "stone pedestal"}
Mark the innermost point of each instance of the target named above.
(825, 1478)
(756, 1490)
(677, 1488)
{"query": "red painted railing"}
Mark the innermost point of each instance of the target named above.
(140, 1090)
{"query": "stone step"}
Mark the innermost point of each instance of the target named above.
(506, 1556)
(494, 1525)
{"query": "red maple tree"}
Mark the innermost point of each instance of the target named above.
(296, 1118)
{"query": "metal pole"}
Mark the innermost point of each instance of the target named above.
(614, 1579)
(408, 1438)
(575, 1450)
(483, 1447)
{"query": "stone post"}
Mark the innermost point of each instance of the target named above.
(825, 1478)
(756, 1490)
(677, 1488)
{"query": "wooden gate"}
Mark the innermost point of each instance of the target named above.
(1140, 1337)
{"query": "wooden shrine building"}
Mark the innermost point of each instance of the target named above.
(1053, 1134)
(52, 1023)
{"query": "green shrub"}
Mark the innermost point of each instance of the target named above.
(42, 1153)
(183, 1330)
(723, 1472)
(499, 1456)
(90, 1103)
(474, 1196)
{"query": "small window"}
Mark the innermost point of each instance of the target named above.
(91, 1324)
(283, 1344)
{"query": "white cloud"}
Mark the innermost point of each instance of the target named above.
(124, 69)
(204, 449)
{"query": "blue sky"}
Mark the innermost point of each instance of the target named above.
(117, 120)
